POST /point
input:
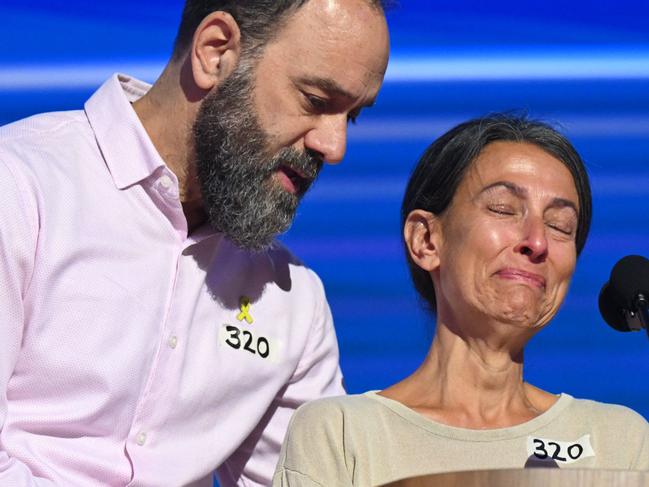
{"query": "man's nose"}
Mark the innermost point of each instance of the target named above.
(329, 138)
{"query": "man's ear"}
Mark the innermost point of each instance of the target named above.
(215, 49)
(422, 236)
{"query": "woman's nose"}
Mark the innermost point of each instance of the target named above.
(533, 242)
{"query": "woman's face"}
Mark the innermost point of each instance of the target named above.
(506, 244)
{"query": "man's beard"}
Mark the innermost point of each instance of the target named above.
(241, 196)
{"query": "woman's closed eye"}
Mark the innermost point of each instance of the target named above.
(502, 209)
(565, 228)
(562, 220)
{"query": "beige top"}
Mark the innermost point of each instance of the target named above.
(368, 440)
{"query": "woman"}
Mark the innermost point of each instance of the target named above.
(494, 217)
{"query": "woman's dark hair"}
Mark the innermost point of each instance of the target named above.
(443, 165)
(258, 20)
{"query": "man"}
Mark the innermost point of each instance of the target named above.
(152, 330)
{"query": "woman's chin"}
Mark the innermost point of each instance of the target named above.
(523, 313)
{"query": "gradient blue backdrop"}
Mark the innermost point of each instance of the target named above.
(583, 65)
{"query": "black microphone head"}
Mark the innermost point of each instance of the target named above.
(611, 311)
(629, 277)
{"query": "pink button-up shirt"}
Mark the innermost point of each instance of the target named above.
(132, 353)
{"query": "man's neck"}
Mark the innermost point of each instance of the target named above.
(167, 117)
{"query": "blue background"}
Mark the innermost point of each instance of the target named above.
(583, 65)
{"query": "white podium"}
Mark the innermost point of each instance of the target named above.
(531, 477)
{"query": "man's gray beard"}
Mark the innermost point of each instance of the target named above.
(241, 196)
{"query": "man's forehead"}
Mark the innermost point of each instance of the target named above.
(336, 16)
(345, 34)
(344, 10)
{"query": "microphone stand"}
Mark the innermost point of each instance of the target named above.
(642, 311)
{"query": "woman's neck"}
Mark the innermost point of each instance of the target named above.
(471, 383)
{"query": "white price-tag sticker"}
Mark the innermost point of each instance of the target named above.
(560, 451)
(251, 342)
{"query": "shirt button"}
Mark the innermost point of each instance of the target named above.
(172, 342)
(141, 439)
(165, 181)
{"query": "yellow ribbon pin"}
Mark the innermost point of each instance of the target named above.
(244, 306)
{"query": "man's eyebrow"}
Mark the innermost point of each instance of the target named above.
(331, 87)
(522, 193)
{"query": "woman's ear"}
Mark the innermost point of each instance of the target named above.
(421, 233)
(215, 49)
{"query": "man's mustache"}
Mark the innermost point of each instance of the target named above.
(306, 163)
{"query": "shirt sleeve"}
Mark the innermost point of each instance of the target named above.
(317, 375)
(314, 452)
(18, 237)
(291, 478)
(642, 460)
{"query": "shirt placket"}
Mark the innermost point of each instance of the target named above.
(142, 433)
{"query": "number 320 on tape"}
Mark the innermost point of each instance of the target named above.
(249, 342)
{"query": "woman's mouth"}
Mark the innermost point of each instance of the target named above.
(531, 278)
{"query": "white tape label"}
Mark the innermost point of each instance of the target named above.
(560, 451)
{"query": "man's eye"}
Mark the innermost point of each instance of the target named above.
(317, 103)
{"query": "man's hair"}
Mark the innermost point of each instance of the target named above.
(258, 20)
(442, 167)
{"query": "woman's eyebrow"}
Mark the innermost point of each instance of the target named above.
(508, 185)
(564, 203)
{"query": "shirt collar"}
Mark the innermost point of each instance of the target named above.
(126, 147)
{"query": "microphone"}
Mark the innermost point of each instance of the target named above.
(624, 299)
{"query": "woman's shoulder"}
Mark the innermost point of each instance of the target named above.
(354, 414)
(612, 413)
(328, 436)
(337, 408)
(609, 420)
(620, 435)
(329, 420)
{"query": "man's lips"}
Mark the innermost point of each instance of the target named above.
(513, 274)
(292, 180)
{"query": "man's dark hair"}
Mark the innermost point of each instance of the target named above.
(443, 165)
(258, 20)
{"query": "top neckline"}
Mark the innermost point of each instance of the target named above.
(454, 432)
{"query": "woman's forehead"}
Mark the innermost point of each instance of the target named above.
(520, 165)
